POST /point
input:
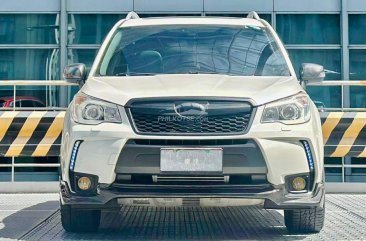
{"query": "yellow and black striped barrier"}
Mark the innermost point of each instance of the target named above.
(344, 134)
(30, 133)
(38, 133)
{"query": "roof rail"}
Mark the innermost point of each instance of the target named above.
(132, 15)
(253, 15)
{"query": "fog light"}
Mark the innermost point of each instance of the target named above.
(84, 183)
(298, 183)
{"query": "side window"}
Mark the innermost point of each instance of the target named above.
(38, 104)
(27, 103)
(17, 104)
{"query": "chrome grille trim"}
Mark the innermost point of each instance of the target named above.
(198, 179)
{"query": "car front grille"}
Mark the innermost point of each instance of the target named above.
(187, 117)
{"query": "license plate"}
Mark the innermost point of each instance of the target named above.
(191, 160)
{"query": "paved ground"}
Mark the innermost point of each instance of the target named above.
(19, 213)
(36, 217)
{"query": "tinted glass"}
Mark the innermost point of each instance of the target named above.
(157, 15)
(355, 161)
(37, 92)
(5, 160)
(267, 17)
(355, 174)
(333, 174)
(333, 160)
(326, 96)
(85, 56)
(357, 96)
(32, 64)
(357, 72)
(38, 104)
(357, 64)
(36, 174)
(180, 49)
(28, 28)
(357, 26)
(5, 174)
(39, 160)
(27, 103)
(309, 28)
(330, 59)
(90, 28)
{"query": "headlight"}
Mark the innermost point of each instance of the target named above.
(88, 110)
(292, 110)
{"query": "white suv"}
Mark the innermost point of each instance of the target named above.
(192, 112)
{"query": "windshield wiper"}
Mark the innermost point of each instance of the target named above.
(151, 74)
(207, 72)
(201, 72)
(135, 74)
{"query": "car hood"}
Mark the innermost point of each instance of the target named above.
(258, 89)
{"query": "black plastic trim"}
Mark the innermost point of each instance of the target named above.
(198, 98)
(177, 98)
(306, 176)
(275, 197)
(244, 158)
(74, 177)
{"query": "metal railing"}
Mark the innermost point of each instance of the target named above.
(343, 84)
(46, 83)
(17, 83)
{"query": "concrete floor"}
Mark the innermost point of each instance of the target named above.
(36, 217)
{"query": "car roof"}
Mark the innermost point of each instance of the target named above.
(191, 21)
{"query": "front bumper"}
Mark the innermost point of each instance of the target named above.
(272, 149)
(274, 197)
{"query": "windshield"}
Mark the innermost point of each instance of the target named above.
(193, 49)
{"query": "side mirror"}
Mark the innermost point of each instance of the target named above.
(312, 73)
(75, 73)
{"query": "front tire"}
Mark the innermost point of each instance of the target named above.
(79, 220)
(305, 220)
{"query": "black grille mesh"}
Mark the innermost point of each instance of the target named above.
(214, 124)
(223, 118)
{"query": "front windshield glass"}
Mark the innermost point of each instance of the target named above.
(193, 49)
